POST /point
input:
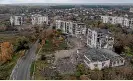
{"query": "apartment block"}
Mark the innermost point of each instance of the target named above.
(39, 19)
(100, 38)
(71, 28)
(123, 21)
(16, 20)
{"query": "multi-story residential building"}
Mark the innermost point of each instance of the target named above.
(123, 21)
(102, 58)
(131, 10)
(65, 26)
(16, 20)
(100, 38)
(80, 30)
(131, 23)
(72, 28)
(39, 19)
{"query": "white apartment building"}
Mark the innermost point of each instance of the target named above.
(131, 10)
(65, 26)
(16, 20)
(100, 38)
(102, 58)
(39, 19)
(80, 30)
(123, 21)
(72, 28)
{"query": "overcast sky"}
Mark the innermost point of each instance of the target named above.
(64, 1)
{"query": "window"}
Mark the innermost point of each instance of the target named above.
(122, 61)
(103, 63)
(114, 63)
(95, 65)
(118, 62)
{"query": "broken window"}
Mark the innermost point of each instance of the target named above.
(114, 63)
(122, 61)
(103, 63)
(95, 65)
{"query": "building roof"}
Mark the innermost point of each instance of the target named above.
(101, 55)
(104, 31)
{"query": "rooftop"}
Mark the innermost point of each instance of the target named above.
(101, 55)
(104, 31)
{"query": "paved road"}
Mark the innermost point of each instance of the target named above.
(22, 69)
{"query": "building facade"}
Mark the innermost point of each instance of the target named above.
(123, 21)
(100, 38)
(39, 19)
(102, 58)
(71, 28)
(16, 20)
(131, 10)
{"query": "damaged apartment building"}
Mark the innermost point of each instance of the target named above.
(124, 21)
(39, 19)
(35, 19)
(100, 38)
(99, 51)
(71, 28)
(100, 54)
(16, 20)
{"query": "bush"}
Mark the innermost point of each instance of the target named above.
(43, 57)
(22, 44)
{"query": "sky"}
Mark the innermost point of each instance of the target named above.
(64, 1)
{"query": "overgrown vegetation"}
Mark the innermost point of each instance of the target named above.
(6, 68)
(21, 44)
(32, 69)
(50, 42)
(53, 40)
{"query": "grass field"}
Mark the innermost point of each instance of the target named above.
(8, 37)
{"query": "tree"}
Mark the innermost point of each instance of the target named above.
(80, 70)
(43, 57)
(22, 44)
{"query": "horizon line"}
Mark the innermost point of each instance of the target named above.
(70, 3)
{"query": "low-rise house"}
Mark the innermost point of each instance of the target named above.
(39, 19)
(102, 58)
(100, 38)
(16, 20)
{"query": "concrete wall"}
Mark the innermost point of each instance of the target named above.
(97, 65)
(117, 63)
(93, 39)
(37, 19)
(116, 20)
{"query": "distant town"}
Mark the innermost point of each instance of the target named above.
(66, 42)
